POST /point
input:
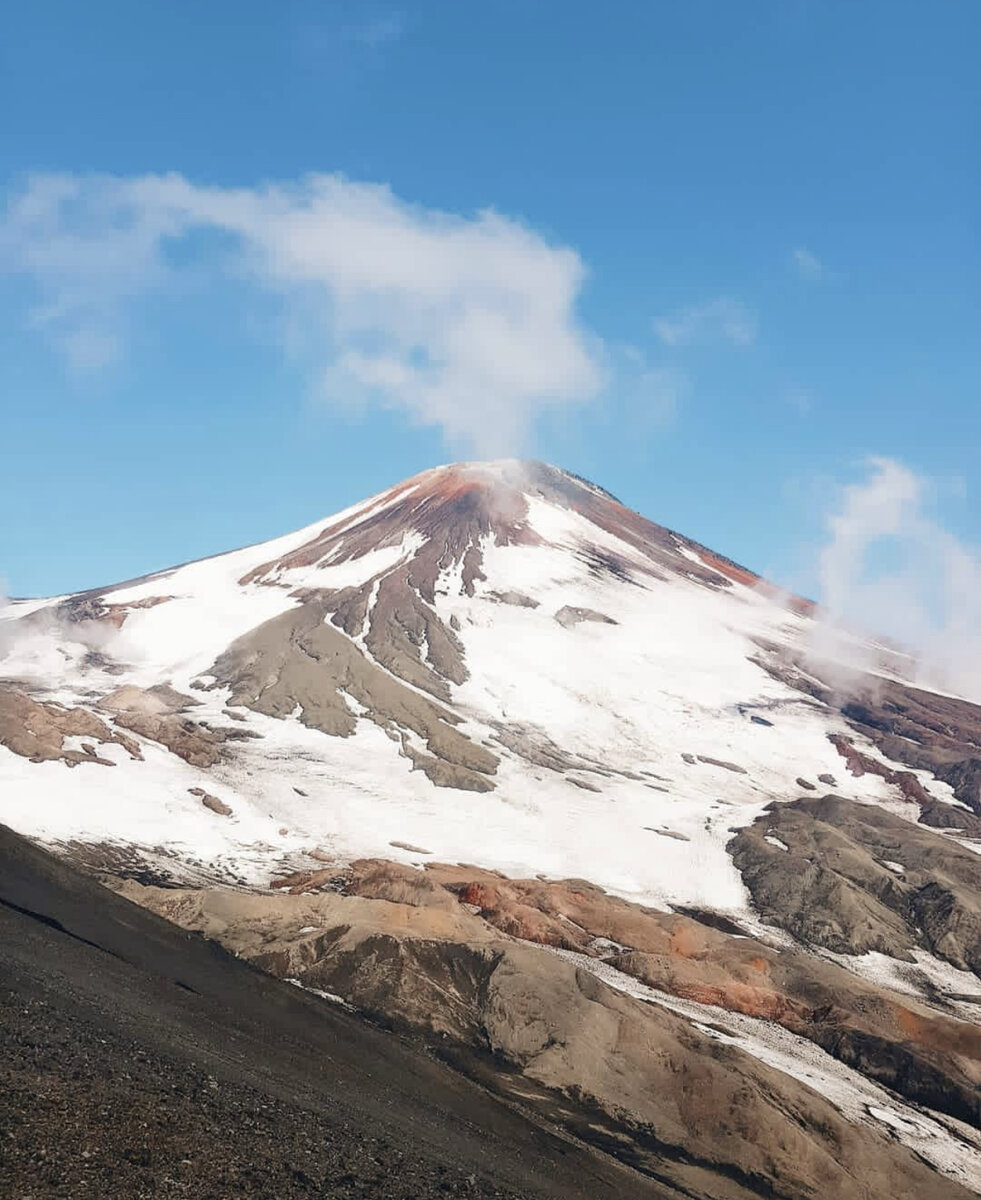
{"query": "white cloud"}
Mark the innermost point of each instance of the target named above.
(466, 323)
(889, 567)
(722, 319)
(807, 263)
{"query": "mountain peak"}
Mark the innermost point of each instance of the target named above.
(521, 474)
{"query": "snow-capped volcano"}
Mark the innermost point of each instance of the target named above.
(490, 707)
(488, 662)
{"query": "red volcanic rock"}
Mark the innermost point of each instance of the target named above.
(907, 1046)
(798, 604)
(454, 511)
(863, 764)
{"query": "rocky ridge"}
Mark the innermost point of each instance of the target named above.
(668, 805)
(624, 1073)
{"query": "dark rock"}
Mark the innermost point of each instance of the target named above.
(568, 616)
(298, 658)
(216, 805)
(831, 888)
(141, 1060)
(719, 762)
(517, 599)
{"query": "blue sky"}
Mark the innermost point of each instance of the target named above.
(711, 255)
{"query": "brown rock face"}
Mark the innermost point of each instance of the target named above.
(863, 764)
(157, 713)
(153, 701)
(37, 730)
(211, 802)
(697, 1115)
(931, 1058)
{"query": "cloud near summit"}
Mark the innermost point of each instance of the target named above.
(890, 566)
(465, 323)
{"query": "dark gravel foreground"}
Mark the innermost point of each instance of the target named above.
(141, 1061)
(89, 1116)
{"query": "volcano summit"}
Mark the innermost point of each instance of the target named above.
(504, 631)
(497, 760)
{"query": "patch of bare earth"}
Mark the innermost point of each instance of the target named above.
(432, 951)
(37, 730)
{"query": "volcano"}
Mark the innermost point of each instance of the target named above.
(494, 694)
(501, 653)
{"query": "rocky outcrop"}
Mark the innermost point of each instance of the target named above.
(92, 607)
(860, 764)
(158, 714)
(195, 744)
(693, 1112)
(153, 701)
(299, 662)
(445, 773)
(515, 599)
(219, 807)
(832, 885)
(719, 762)
(924, 731)
(37, 730)
(568, 616)
(931, 1058)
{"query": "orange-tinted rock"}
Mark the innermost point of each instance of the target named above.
(931, 1058)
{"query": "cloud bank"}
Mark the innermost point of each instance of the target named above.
(465, 323)
(889, 566)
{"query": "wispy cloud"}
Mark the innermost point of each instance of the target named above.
(467, 323)
(723, 319)
(807, 263)
(891, 568)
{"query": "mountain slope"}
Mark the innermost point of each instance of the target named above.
(501, 630)
(584, 731)
(141, 1058)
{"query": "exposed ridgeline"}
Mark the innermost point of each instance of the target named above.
(506, 765)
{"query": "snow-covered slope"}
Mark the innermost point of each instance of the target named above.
(501, 672)
(600, 675)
